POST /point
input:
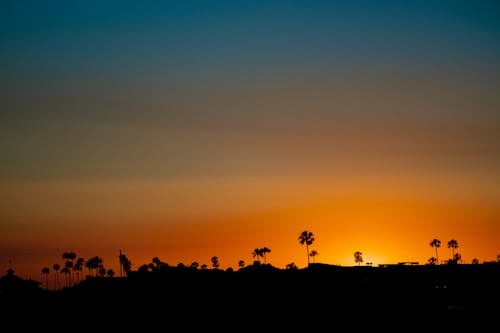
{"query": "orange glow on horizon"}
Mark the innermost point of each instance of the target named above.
(387, 220)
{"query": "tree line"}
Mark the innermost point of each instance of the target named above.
(73, 266)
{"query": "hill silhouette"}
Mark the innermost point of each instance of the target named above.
(258, 295)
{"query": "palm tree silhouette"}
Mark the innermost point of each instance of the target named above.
(257, 253)
(125, 264)
(358, 257)
(436, 243)
(56, 268)
(453, 244)
(265, 250)
(46, 271)
(306, 237)
(313, 254)
(69, 257)
(78, 268)
(94, 263)
(241, 263)
(65, 270)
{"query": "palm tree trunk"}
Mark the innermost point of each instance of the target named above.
(307, 249)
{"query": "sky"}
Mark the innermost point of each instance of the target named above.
(190, 129)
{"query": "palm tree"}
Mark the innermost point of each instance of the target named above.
(257, 253)
(94, 263)
(78, 268)
(436, 243)
(125, 264)
(69, 268)
(65, 270)
(306, 237)
(313, 254)
(358, 257)
(215, 262)
(453, 244)
(46, 271)
(241, 263)
(56, 268)
(69, 257)
(265, 250)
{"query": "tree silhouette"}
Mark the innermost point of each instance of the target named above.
(66, 271)
(195, 265)
(306, 237)
(313, 254)
(257, 253)
(56, 268)
(215, 262)
(432, 261)
(157, 264)
(358, 257)
(453, 244)
(291, 266)
(110, 272)
(475, 261)
(265, 250)
(144, 268)
(69, 269)
(94, 264)
(46, 271)
(69, 258)
(78, 267)
(241, 263)
(436, 243)
(125, 264)
(498, 257)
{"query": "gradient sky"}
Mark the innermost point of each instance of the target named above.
(188, 129)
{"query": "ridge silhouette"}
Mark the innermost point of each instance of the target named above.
(319, 294)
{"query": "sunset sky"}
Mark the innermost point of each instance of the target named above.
(192, 129)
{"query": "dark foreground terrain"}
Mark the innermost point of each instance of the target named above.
(260, 298)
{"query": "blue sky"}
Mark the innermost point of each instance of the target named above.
(133, 38)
